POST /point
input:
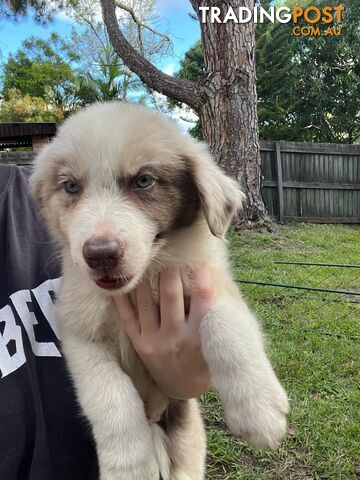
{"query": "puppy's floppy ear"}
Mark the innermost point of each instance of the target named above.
(221, 197)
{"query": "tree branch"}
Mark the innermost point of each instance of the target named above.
(187, 120)
(137, 20)
(93, 29)
(178, 89)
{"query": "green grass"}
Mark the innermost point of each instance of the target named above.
(314, 344)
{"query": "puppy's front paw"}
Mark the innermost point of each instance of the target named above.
(259, 419)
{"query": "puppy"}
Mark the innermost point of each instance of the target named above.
(127, 196)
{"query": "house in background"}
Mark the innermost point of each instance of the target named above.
(20, 135)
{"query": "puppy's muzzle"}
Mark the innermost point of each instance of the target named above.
(100, 253)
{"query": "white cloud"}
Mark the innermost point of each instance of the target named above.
(86, 9)
(170, 69)
(62, 16)
(183, 116)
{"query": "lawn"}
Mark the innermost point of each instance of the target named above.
(314, 343)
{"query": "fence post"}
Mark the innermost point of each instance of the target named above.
(280, 185)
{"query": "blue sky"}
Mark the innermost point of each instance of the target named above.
(175, 19)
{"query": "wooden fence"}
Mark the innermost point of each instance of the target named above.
(311, 182)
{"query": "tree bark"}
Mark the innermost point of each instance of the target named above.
(228, 112)
(225, 99)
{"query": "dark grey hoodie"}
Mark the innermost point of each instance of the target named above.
(42, 433)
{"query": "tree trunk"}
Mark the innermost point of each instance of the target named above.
(228, 112)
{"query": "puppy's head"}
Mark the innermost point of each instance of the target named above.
(117, 180)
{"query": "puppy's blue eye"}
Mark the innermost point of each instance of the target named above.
(144, 181)
(70, 186)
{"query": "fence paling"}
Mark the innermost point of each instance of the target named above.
(311, 182)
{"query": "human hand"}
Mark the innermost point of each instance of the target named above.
(165, 338)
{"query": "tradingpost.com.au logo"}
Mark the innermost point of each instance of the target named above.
(307, 21)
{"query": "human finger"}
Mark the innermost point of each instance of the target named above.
(202, 295)
(148, 311)
(172, 311)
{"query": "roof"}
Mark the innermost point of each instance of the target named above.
(19, 134)
(19, 129)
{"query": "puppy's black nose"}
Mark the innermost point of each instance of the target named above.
(101, 253)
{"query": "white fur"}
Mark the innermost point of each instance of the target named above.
(99, 145)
